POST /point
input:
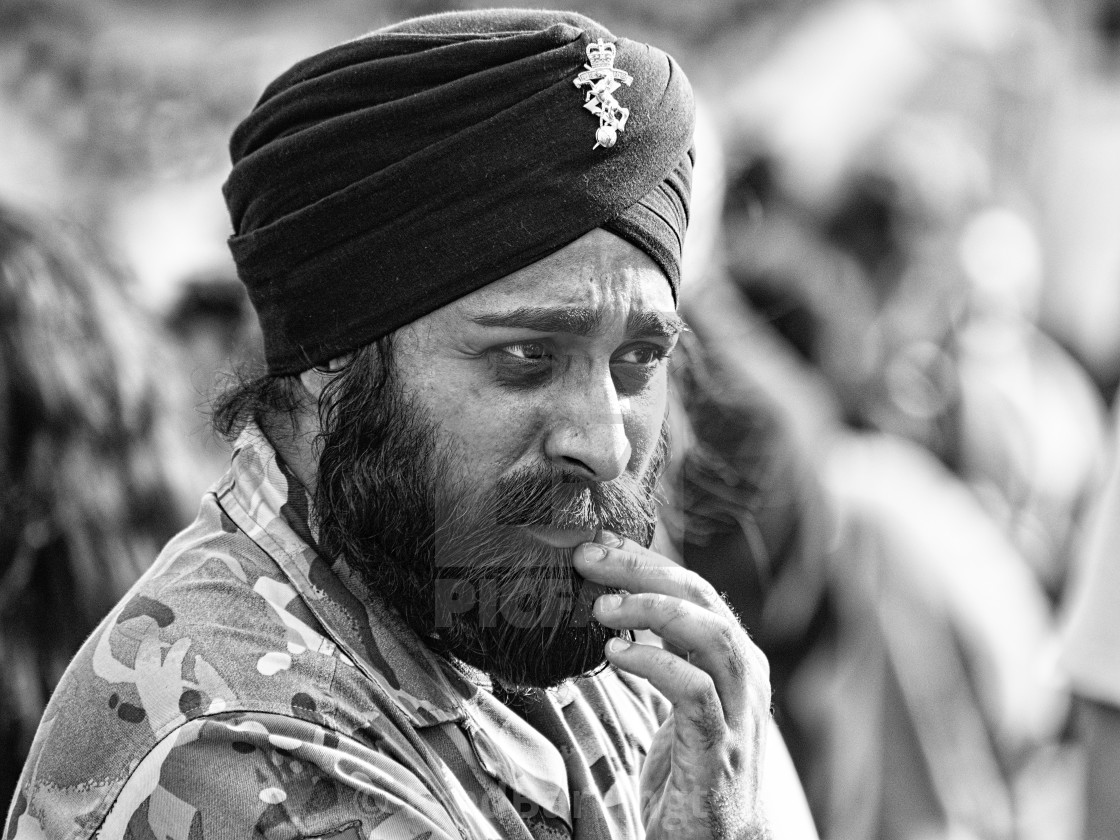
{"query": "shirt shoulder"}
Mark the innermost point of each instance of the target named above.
(213, 632)
(274, 775)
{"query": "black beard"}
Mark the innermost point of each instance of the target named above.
(455, 562)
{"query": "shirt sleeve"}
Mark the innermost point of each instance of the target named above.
(266, 775)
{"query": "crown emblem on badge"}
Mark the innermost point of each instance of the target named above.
(602, 79)
(600, 55)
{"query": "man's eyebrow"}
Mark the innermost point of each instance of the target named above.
(581, 321)
(564, 319)
(653, 323)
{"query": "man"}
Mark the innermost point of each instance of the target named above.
(462, 238)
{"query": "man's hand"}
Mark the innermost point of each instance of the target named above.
(702, 777)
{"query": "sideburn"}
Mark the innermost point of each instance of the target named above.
(369, 505)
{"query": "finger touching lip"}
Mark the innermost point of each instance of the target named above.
(640, 570)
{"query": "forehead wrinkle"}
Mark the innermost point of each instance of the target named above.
(591, 282)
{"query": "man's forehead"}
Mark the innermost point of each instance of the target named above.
(581, 320)
(597, 275)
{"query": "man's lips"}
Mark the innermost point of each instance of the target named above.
(561, 537)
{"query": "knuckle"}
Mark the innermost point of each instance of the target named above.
(669, 611)
(651, 601)
(698, 590)
(699, 685)
(631, 563)
(730, 640)
(676, 610)
(736, 757)
(706, 715)
(736, 658)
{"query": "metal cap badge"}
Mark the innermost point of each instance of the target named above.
(603, 79)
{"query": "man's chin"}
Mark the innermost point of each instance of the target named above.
(532, 657)
(517, 611)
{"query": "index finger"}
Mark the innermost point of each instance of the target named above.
(624, 564)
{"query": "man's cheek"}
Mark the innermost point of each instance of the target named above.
(644, 419)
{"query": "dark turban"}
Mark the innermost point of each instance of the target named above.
(390, 175)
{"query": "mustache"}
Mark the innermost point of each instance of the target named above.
(547, 497)
(561, 502)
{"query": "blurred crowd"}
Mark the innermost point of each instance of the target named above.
(893, 418)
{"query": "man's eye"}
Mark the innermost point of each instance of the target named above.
(526, 364)
(642, 354)
(528, 351)
(635, 368)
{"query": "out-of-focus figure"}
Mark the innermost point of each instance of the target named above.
(1092, 656)
(212, 332)
(1081, 211)
(921, 320)
(744, 507)
(1030, 424)
(87, 455)
(878, 323)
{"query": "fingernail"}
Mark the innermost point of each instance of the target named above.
(591, 552)
(609, 538)
(617, 645)
(610, 602)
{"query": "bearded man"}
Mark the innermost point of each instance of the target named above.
(419, 603)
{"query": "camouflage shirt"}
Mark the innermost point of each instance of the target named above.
(247, 685)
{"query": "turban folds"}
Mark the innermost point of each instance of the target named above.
(390, 175)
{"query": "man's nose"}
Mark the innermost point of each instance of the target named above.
(587, 436)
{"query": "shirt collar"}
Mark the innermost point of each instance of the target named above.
(268, 503)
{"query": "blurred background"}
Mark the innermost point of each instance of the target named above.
(894, 416)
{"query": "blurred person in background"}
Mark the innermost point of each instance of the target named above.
(122, 132)
(854, 558)
(213, 335)
(1091, 655)
(867, 229)
(896, 158)
(744, 502)
(91, 460)
(1080, 182)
